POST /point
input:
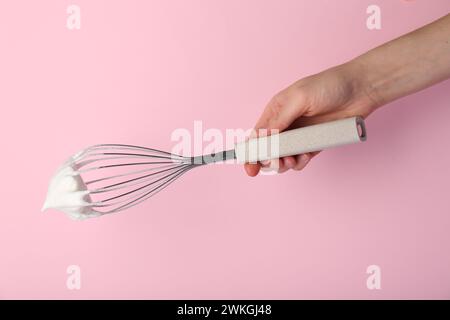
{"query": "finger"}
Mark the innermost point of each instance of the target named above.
(252, 169)
(278, 165)
(302, 161)
(289, 162)
(265, 164)
(274, 165)
(315, 153)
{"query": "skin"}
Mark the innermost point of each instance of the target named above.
(398, 68)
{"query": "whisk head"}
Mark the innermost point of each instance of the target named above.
(118, 176)
(109, 178)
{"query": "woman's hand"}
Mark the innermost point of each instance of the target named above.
(333, 94)
(397, 68)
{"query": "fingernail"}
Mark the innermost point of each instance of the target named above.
(265, 162)
(289, 164)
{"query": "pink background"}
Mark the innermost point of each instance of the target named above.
(136, 71)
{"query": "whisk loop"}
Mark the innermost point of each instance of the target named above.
(113, 187)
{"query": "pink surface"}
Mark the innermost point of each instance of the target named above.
(136, 71)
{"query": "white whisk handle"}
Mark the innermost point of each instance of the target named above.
(302, 140)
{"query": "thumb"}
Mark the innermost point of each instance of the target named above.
(283, 109)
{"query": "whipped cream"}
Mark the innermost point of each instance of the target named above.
(68, 193)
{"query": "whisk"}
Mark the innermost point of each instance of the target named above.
(121, 188)
(116, 177)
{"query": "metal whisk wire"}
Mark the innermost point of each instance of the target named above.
(119, 189)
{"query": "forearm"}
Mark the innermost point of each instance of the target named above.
(405, 65)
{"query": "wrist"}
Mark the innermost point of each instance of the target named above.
(363, 84)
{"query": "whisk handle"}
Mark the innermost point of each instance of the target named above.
(302, 140)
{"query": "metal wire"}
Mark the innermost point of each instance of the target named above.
(113, 187)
